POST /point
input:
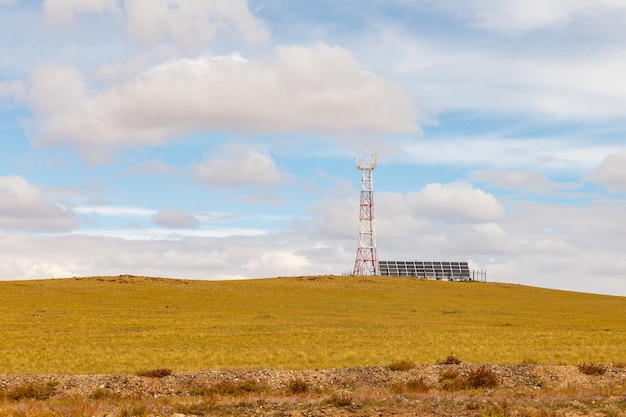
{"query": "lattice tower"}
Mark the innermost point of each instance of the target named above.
(366, 256)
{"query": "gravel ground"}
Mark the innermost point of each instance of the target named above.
(366, 390)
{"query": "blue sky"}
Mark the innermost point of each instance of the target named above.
(217, 139)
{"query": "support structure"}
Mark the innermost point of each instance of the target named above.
(366, 256)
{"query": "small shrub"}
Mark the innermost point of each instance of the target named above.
(418, 385)
(250, 385)
(200, 390)
(450, 380)
(453, 385)
(450, 360)
(203, 408)
(592, 369)
(34, 390)
(224, 387)
(482, 377)
(448, 374)
(134, 411)
(103, 394)
(155, 373)
(495, 410)
(298, 386)
(401, 366)
(340, 400)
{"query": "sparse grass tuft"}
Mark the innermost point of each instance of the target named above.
(250, 385)
(224, 387)
(104, 394)
(32, 391)
(401, 365)
(482, 377)
(450, 360)
(202, 408)
(418, 385)
(592, 369)
(450, 380)
(298, 386)
(340, 400)
(155, 373)
(229, 388)
(134, 411)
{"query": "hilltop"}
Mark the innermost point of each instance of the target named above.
(121, 324)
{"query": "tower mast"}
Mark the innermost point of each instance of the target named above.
(366, 256)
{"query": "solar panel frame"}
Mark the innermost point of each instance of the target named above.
(451, 270)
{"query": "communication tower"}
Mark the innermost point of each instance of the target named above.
(366, 256)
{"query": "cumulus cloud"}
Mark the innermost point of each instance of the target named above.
(317, 89)
(175, 218)
(191, 258)
(24, 207)
(192, 24)
(611, 172)
(236, 164)
(186, 24)
(62, 11)
(455, 203)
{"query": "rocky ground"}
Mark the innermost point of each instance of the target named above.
(433, 390)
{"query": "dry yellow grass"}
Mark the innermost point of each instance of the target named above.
(123, 324)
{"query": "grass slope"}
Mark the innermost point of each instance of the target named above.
(123, 324)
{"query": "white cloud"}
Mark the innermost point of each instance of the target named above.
(611, 172)
(509, 153)
(519, 180)
(191, 24)
(12, 90)
(334, 218)
(63, 11)
(455, 203)
(521, 16)
(115, 211)
(237, 164)
(532, 81)
(318, 89)
(175, 218)
(24, 207)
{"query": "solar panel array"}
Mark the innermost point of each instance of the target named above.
(433, 270)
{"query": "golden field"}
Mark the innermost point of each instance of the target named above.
(123, 324)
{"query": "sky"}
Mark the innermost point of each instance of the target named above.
(216, 139)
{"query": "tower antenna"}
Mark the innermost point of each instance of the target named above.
(366, 256)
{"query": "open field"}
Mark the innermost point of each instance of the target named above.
(124, 324)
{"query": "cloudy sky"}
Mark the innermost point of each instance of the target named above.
(216, 139)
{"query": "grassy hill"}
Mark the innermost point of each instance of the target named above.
(123, 324)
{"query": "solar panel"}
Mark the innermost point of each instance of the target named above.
(453, 271)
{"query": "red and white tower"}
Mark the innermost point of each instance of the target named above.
(366, 257)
